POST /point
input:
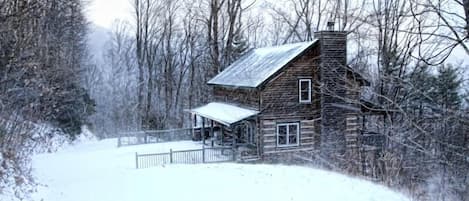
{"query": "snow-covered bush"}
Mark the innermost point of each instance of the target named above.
(19, 140)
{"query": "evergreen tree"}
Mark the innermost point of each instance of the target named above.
(419, 93)
(447, 86)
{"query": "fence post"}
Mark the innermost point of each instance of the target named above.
(119, 141)
(136, 160)
(234, 154)
(170, 156)
(203, 154)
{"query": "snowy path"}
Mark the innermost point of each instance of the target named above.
(98, 171)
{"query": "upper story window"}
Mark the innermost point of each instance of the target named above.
(304, 90)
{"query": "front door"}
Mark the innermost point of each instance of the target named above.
(245, 132)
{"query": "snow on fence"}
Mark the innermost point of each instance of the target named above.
(153, 136)
(194, 156)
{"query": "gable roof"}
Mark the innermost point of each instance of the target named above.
(258, 65)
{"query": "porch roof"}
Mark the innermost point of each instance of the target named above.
(224, 113)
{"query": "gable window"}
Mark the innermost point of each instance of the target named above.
(304, 90)
(288, 134)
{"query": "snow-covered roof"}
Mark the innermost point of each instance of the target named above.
(224, 113)
(259, 64)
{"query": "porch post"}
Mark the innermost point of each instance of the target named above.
(233, 134)
(211, 131)
(222, 134)
(203, 130)
(193, 124)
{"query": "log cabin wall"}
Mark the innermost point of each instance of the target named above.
(353, 125)
(239, 96)
(279, 103)
(308, 139)
(353, 117)
(279, 98)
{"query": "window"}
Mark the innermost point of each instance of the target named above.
(304, 90)
(288, 134)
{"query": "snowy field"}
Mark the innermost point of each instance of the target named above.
(99, 171)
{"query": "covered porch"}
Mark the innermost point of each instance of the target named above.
(223, 124)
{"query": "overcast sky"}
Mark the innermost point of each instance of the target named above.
(104, 12)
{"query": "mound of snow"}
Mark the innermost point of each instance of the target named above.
(99, 171)
(85, 136)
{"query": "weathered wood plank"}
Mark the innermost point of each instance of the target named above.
(286, 150)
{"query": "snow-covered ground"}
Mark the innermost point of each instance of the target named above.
(99, 171)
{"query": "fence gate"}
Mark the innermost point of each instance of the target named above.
(194, 156)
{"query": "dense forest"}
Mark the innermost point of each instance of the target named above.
(43, 52)
(155, 65)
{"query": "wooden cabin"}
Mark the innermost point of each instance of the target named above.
(293, 97)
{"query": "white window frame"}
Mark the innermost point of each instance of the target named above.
(300, 81)
(287, 125)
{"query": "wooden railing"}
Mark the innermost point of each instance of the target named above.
(194, 156)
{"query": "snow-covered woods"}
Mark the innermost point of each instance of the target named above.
(156, 64)
(414, 53)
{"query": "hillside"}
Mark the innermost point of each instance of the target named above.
(98, 170)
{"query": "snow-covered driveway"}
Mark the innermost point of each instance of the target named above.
(98, 171)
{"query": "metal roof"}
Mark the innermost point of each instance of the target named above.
(258, 65)
(224, 113)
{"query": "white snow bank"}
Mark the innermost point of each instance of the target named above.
(98, 171)
(15, 181)
(85, 136)
(54, 139)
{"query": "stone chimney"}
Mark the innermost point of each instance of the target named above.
(333, 48)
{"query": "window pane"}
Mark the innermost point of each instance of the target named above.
(292, 133)
(282, 139)
(282, 130)
(304, 95)
(282, 134)
(304, 86)
(292, 139)
(292, 129)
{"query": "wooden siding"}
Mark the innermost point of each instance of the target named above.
(353, 125)
(351, 133)
(308, 139)
(279, 97)
(239, 96)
